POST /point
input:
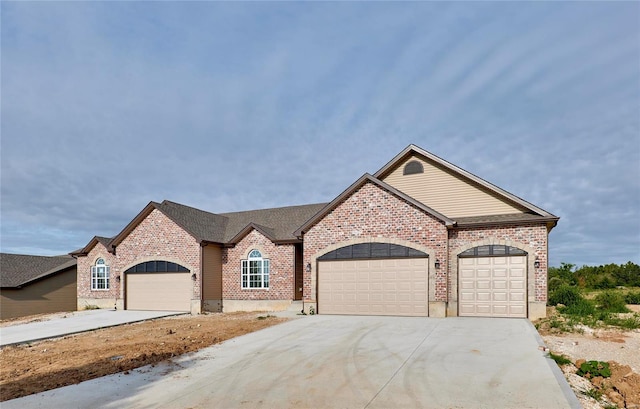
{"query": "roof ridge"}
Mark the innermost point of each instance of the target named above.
(190, 207)
(275, 208)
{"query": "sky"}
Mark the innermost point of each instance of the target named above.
(229, 106)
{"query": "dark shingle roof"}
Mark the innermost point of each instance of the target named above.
(278, 223)
(200, 224)
(282, 222)
(17, 269)
(104, 240)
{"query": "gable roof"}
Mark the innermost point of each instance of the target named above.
(19, 270)
(105, 241)
(509, 197)
(277, 224)
(282, 222)
(357, 185)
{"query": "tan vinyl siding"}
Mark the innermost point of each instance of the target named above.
(212, 277)
(53, 294)
(448, 193)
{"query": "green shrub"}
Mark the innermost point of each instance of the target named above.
(554, 283)
(581, 308)
(632, 297)
(592, 369)
(560, 359)
(626, 323)
(565, 294)
(594, 393)
(611, 301)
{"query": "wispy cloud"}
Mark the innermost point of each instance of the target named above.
(230, 106)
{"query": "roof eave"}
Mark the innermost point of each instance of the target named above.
(541, 220)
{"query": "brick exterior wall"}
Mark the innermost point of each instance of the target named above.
(281, 279)
(532, 238)
(372, 212)
(156, 238)
(368, 214)
(84, 275)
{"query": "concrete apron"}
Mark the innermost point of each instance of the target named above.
(342, 362)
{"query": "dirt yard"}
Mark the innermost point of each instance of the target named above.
(31, 368)
(621, 349)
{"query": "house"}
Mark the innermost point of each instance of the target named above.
(36, 284)
(420, 237)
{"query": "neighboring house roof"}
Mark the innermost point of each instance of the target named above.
(413, 149)
(357, 185)
(18, 270)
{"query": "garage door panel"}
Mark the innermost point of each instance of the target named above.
(483, 285)
(500, 297)
(500, 310)
(483, 309)
(483, 273)
(516, 297)
(381, 287)
(500, 285)
(499, 273)
(159, 291)
(499, 261)
(517, 310)
(492, 286)
(482, 297)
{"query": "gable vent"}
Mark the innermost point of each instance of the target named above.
(413, 167)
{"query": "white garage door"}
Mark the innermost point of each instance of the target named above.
(374, 287)
(159, 291)
(493, 286)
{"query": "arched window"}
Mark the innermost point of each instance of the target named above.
(100, 275)
(255, 271)
(413, 167)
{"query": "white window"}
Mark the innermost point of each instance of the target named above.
(100, 275)
(255, 271)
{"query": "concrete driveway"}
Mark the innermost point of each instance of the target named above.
(342, 362)
(74, 322)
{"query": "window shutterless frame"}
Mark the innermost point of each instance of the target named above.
(255, 272)
(100, 276)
